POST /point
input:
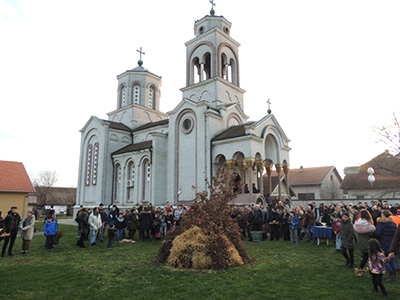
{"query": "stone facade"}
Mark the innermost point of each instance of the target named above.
(141, 154)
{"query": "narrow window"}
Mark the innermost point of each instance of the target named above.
(88, 163)
(95, 163)
(136, 94)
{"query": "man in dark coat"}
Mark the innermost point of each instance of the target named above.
(11, 223)
(83, 218)
(146, 222)
(104, 218)
(273, 221)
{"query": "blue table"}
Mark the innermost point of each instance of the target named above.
(323, 233)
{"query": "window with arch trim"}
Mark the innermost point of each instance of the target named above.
(88, 163)
(136, 93)
(95, 163)
(152, 97)
(117, 180)
(131, 180)
(122, 96)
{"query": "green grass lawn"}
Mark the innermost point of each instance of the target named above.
(280, 271)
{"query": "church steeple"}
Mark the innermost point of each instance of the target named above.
(212, 59)
(138, 96)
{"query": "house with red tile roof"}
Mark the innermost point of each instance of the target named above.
(387, 178)
(310, 183)
(15, 187)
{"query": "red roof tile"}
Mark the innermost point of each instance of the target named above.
(309, 176)
(13, 177)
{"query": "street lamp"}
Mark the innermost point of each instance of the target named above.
(371, 177)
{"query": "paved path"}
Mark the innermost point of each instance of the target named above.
(67, 222)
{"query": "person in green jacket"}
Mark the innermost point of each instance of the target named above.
(347, 239)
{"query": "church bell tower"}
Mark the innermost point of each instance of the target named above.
(212, 63)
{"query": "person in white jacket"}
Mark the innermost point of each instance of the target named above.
(95, 225)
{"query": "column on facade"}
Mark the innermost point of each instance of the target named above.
(227, 72)
(242, 167)
(260, 168)
(286, 171)
(268, 169)
(278, 168)
(250, 164)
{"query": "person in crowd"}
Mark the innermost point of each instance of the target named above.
(395, 216)
(376, 212)
(246, 189)
(264, 214)
(112, 233)
(27, 226)
(178, 214)
(113, 215)
(376, 265)
(11, 223)
(385, 231)
(170, 220)
(293, 223)
(285, 233)
(95, 225)
(336, 231)
(274, 220)
(255, 189)
(120, 225)
(104, 221)
(364, 229)
(78, 233)
(157, 225)
(309, 220)
(347, 238)
(163, 225)
(300, 215)
(133, 223)
(83, 219)
(50, 229)
(146, 222)
(255, 219)
(326, 217)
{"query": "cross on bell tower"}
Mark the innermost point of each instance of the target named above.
(140, 62)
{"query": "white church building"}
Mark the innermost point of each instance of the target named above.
(141, 154)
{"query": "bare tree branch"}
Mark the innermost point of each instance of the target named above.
(43, 182)
(390, 135)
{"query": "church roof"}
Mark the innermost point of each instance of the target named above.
(134, 147)
(232, 132)
(151, 124)
(117, 125)
(14, 178)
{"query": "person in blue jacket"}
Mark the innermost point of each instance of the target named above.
(50, 229)
(293, 224)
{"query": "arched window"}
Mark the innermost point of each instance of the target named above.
(152, 95)
(131, 180)
(122, 96)
(136, 94)
(196, 70)
(117, 181)
(88, 163)
(95, 163)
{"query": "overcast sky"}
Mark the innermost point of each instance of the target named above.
(330, 68)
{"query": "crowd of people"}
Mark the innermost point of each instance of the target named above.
(373, 228)
(121, 225)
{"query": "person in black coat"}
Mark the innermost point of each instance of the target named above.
(273, 220)
(146, 222)
(83, 219)
(2, 228)
(11, 223)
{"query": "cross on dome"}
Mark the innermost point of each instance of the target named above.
(140, 62)
(212, 11)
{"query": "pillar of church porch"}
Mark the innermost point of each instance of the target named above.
(242, 167)
(250, 164)
(278, 168)
(286, 171)
(260, 168)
